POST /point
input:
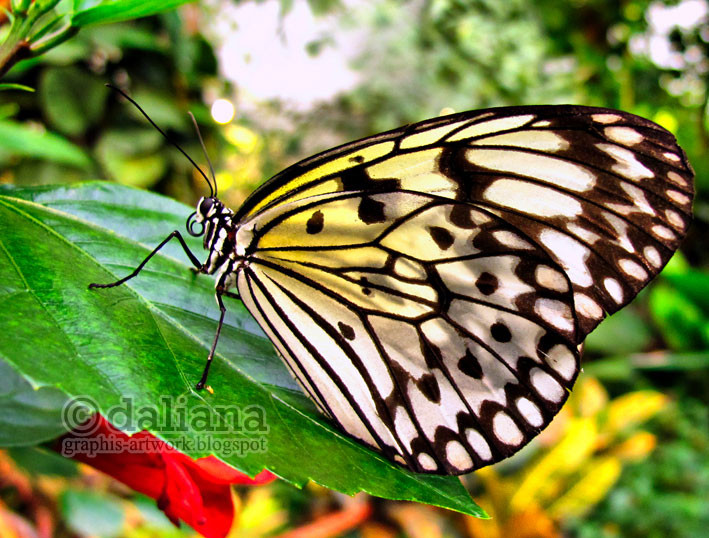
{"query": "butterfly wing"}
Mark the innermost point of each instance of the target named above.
(428, 286)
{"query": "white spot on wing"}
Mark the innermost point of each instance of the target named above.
(638, 196)
(532, 199)
(626, 162)
(605, 118)
(671, 156)
(571, 254)
(479, 218)
(506, 430)
(652, 255)
(491, 126)
(550, 278)
(427, 462)
(511, 240)
(546, 168)
(582, 233)
(530, 412)
(676, 178)
(663, 232)
(587, 307)
(536, 140)
(562, 360)
(621, 228)
(404, 349)
(633, 269)
(457, 456)
(678, 197)
(674, 218)
(555, 313)
(429, 136)
(614, 290)
(479, 444)
(546, 385)
(623, 135)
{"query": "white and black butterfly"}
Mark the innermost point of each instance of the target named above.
(429, 287)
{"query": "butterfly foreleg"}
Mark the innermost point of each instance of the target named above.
(197, 264)
(222, 310)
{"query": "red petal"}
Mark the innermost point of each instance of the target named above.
(194, 491)
(221, 472)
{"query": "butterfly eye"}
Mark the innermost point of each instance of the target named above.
(205, 206)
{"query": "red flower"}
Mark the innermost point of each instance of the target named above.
(194, 491)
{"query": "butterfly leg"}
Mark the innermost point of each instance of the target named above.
(176, 233)
(220, 291)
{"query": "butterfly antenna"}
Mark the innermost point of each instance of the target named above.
(206, 155)
(212, 188)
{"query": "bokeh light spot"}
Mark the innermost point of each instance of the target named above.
(222, 111)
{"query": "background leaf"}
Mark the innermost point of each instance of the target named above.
(92, 514)
(19, 139)
(123, 10)
(28, 416)
(11, 86)
(71, 99)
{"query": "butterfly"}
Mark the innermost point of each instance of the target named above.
(430, 287)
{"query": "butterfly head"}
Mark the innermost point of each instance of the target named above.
(213, 220)
(207, 207)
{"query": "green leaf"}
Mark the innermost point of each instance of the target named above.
(138, 349)
(163, 108)
(129, 156)
(123, 10)
(694, 285)
(153, 517)
(13, 86)
(624, 368)
(24, 141)
(680, 320)
(39, 461)
(92, 514)
(28, 416)
(623, 332)
(71, 99)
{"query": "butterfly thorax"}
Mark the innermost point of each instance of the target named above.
(219, 234)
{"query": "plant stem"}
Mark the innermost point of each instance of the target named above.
(53, 40)
(16, 46)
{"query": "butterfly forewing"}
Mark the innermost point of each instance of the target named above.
(428, 286)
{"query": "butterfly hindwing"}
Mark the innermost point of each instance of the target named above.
(439, 335)
(428, 287)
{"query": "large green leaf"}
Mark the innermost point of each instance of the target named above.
(72, 100)
(147, 341)
(123, 10)
(21, 140)
(28, 416)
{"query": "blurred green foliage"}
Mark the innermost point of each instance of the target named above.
(664, 495)
(417, 59)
